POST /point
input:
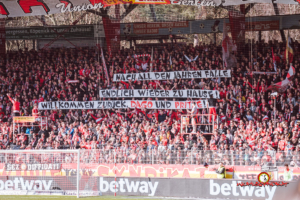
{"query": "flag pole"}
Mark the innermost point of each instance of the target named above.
(151, 63)
(224, 29)
(286, 48)
(275, 110)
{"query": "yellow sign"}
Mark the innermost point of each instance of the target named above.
(24, 119)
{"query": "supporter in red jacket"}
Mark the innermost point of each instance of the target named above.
(16, 105)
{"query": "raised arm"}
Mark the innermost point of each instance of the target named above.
(10, 98)
(187, 58)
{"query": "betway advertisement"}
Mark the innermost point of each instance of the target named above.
(194, 188)
(129, 186)
(29, 185)
(153, 187)
(230, 189)
(18, 183)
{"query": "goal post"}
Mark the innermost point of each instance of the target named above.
(29, 172)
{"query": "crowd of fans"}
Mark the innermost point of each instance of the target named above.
(246, 124)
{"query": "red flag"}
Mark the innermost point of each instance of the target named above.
(273, 57)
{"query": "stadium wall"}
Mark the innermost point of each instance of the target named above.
(155, 187)
(70, 43)
(264, 23)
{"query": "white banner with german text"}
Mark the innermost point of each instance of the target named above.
(173, 75)
(88, 105)
(160, 93)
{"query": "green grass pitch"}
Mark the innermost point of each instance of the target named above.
(46, 197)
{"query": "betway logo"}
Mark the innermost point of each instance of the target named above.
(227, 189)
(124, 185)
(20, 184)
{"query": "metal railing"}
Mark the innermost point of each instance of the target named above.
(29, 121)
(160, 155)
(206, 123)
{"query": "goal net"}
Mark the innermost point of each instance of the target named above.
(45, 172)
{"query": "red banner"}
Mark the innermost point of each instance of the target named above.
(153, 28)
(112, 35)
(124, 170)
(147, 170)
(2, 39)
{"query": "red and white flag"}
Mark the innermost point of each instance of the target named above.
(104, 67)
(265, 118)
(97, 119)
(291, 73)
(227, 47)
(283, 85)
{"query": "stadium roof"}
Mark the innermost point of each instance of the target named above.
(18, 8)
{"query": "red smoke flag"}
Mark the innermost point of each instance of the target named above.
(289, 53)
